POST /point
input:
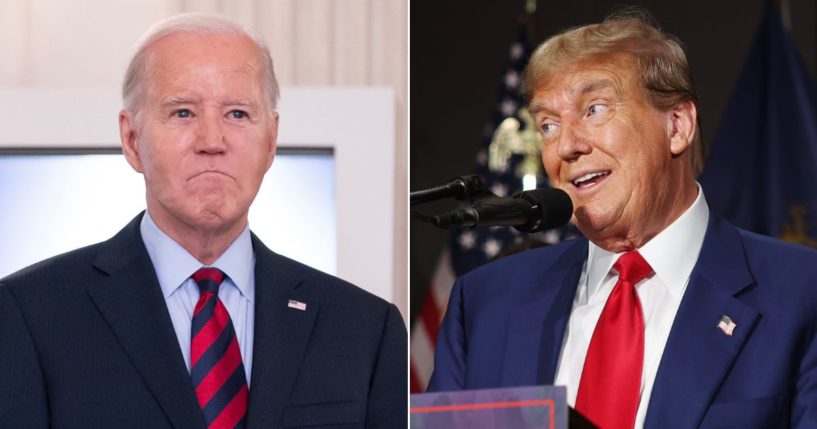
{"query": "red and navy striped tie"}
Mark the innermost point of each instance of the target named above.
(215, 359)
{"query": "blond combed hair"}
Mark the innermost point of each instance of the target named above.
(659, 58)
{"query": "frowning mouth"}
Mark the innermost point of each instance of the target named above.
(588, 180)
(210, 173)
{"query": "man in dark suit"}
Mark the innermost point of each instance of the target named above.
(665, 316)
(185, 319)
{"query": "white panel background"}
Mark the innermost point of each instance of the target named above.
(67, 201)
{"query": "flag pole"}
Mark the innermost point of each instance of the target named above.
(785, 12)
(530, 21)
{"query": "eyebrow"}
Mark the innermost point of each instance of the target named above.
(247, 103)
(595, 85)
(586, 88)
(177, 101)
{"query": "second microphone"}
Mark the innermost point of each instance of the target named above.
(528, 211)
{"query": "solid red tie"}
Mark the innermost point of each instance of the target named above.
(215, 359)
(611, 380)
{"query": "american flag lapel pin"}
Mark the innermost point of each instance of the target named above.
(727, 325)
(298, 305)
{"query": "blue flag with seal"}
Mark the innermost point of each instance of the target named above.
(762, 171)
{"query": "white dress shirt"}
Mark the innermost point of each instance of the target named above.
(174, 266)
(672, 255)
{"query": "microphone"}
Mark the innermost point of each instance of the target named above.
(528, 211)
(460, 188)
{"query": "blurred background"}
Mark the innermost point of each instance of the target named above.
(343, 68)
(754, 65)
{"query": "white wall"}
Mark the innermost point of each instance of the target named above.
(73, 44)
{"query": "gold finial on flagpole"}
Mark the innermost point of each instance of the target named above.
(530, 7)
(513, 137)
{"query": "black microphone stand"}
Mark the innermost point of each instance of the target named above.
(461, 188)
(468, 189)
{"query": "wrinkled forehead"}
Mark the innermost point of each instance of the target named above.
(568, 79)
(181, 47)
(186, 52)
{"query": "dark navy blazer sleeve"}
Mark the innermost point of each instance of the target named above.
(450, 351)
(804, 406)
(22, 391)
(387, 397)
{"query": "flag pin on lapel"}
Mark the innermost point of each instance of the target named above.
(298, 305)
(727, 325)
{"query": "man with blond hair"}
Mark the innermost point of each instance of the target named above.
(665, 316)
(185, 319)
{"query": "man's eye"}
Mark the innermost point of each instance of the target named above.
(238, 114)
(183, 113)
(548, 128)
(596, 109)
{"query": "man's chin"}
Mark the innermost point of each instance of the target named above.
(217, 219)
(597, 227)
(589, 221)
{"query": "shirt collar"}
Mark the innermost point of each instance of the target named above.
(174, 265)
(671, 254)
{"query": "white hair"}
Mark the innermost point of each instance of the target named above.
(133, 87)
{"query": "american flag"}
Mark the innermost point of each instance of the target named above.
(727, 325)
(470, 248)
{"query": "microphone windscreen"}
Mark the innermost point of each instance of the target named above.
(554, 209)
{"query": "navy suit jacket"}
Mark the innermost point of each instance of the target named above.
(506, 322)
(86, 341)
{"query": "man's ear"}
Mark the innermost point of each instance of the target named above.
(273, 139)
(127, 134)
(683, 125)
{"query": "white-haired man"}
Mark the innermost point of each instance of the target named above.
(185, 319)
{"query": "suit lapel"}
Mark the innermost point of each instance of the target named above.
(131, 302)
(536, 330)
(281, 335)
(698, 355)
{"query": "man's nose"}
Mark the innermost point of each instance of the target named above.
(573, 141)
(210, 137)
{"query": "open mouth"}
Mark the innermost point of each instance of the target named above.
(590, 179)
